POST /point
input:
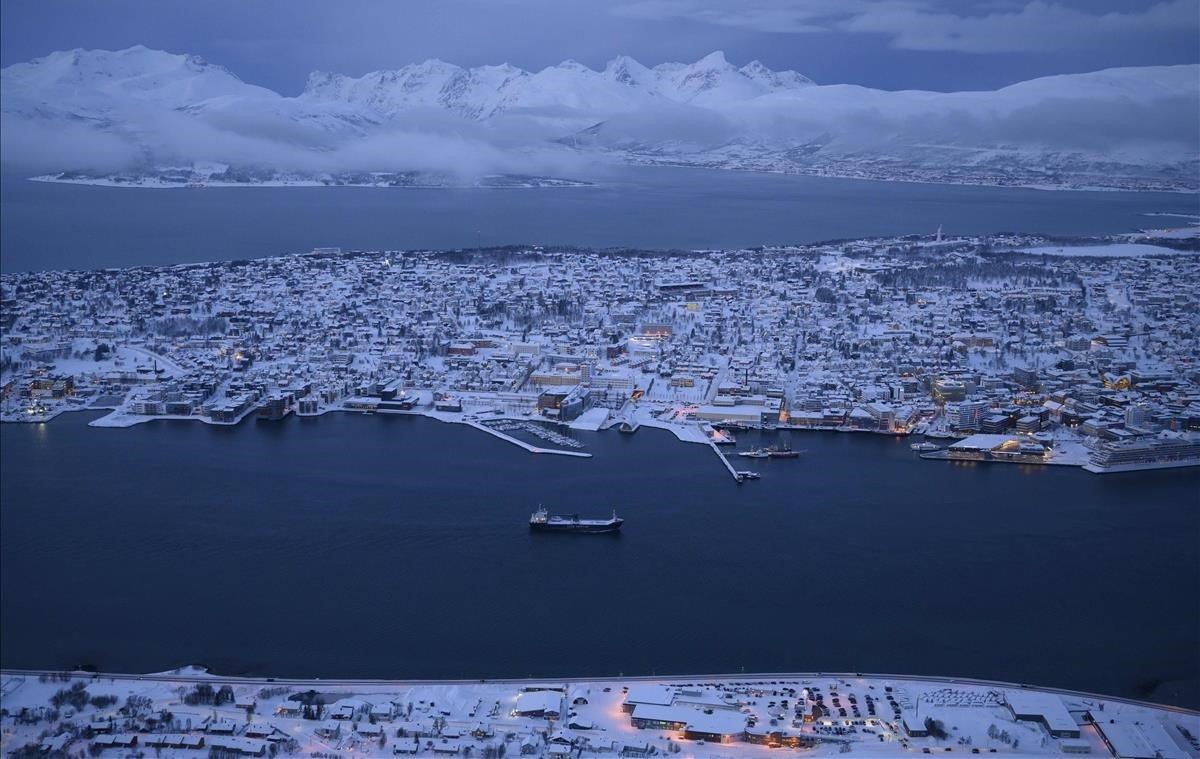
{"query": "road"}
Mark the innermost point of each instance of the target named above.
(316, 683)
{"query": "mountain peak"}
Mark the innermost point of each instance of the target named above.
(571, 64)
(627, 71)
(774, 80)
(715, 59)
(136, 71)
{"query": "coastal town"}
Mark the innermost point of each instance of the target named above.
(1008, 348)
(189, 713)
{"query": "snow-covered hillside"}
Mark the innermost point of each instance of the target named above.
(141, 110)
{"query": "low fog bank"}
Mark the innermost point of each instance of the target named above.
(174, 139)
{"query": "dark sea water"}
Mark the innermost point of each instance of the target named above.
(376, 546)
(53, 226)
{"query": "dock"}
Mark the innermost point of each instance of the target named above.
(736, 477)
(523, 444)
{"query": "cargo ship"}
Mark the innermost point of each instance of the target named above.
(541, 521)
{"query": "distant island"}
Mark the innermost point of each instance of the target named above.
(1008, 348)
(225, 176)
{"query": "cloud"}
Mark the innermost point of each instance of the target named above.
(36, 146)
(277, 134)
(681, 126)
(1036, 26)
(792, 16)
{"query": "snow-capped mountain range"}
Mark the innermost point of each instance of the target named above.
(140, 110)
(488, 91)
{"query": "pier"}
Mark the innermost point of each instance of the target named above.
(736, 477)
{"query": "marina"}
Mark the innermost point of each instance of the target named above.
(538, 430)
(499, 432)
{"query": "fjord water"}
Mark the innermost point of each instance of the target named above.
(372, 546)
(54, 226)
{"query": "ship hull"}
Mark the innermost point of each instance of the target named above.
(590, 529)
(1111, 468)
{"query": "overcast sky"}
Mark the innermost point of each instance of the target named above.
(892, 44)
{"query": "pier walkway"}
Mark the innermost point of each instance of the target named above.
(724, 460)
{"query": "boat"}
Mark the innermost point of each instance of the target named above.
(748, 475)
(542, 521)
(925, 446)
(784, 452)
(754, 453)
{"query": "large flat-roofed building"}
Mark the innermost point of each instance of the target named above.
(682, 288)
(1128, 739)
(657, 695)
(716, 725)
(914, 726)
(741, 412)
(539, 703)
(1045, 709)
(998, 448)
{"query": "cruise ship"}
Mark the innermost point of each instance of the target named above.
(541, 521)
(1153, 453)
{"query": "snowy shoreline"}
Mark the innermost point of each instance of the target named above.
(201, 673)
(150, 183)
(1069, 453)
(190, 712)
(926, 181)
